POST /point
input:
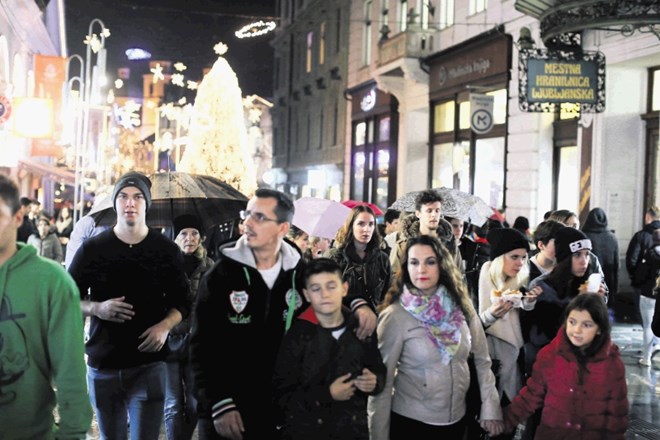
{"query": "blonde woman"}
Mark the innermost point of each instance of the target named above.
(500, 297)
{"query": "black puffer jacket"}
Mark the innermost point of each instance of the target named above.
(368, 279)
(605, 246)
(641, 241)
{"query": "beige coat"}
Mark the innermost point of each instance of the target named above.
(424, 388)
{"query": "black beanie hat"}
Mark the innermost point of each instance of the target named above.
(138, 180)
(503, 240)
(568, 241)
(187, 221)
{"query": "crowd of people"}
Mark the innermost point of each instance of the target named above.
(376, 333)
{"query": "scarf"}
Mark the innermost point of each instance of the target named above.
(441, 317)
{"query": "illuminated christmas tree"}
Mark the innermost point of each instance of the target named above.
(217, 139)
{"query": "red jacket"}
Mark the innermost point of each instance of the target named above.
(595, 409)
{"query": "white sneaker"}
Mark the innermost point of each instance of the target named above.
(644, 362)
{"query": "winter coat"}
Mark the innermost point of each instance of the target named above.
(368, 280)
(418, 385)
(309, 361)
(591, 409)
(504, 334)
(410, 229)
(605, 246)
(544, 320)
(236, 312)
(47, 247)
(641, 241)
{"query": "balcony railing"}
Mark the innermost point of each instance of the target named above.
(414, 42)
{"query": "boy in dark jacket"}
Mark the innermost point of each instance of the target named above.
(323, 372)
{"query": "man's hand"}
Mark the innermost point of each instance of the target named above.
(367, 319)
(114, 310)
(230, 425)
(154, 338)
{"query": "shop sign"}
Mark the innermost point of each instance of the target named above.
(551, 78)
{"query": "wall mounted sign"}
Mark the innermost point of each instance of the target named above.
(550, 78)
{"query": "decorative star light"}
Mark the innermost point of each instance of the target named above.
(182, 101)
(177, 79)
(128, 115)
(192, 85)
(105, 33)
(119, 83)
(158, 73)
(255, 29)
(220, 48)
(180, 67)
(93, 42)
(254, 115)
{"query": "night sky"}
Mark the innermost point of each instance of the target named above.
(184, 30)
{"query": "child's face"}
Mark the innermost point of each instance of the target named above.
(325, 292)
(581, 329)
(580, 262)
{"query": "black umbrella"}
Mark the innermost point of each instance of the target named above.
(174, 193)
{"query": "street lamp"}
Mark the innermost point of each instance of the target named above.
(88, 94)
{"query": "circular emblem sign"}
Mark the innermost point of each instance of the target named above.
(5, 109)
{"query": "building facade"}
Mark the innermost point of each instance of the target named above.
(28, 28)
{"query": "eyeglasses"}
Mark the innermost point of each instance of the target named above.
(256, 216)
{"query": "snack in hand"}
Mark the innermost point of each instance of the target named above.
(497, 293)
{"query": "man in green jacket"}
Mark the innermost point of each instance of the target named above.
(42, 362)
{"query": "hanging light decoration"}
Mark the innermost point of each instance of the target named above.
(255, 29)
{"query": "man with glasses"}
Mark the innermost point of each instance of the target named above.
(246, 301)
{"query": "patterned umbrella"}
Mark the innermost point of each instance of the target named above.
(175, 193)
(456, 203)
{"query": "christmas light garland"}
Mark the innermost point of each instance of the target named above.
(255, 29)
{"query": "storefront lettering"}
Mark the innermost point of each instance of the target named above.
(561, 81)
(477, 66)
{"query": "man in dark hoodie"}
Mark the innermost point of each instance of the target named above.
(605, 247)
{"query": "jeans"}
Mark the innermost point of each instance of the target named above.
(646, 309)
(135, 393)
(180, 404)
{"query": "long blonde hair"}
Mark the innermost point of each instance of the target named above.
(501, 281)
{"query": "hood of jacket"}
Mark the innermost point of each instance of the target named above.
(240, 252)
(23, 254)
(596, 221)
(410, 229)
(651, 227)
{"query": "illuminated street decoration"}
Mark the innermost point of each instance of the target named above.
(177, 79)
(128, 116)
(135, 53)
(255, 29)
(158, 73)
(192, 85)
(180, 67)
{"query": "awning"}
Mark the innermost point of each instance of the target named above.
(42, 169)
(570, 16)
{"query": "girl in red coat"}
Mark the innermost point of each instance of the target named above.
(578, 380)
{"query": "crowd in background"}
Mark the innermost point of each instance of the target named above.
(374, 333)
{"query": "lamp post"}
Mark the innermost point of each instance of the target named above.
(88, 94)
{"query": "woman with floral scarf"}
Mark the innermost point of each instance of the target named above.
(427, 328)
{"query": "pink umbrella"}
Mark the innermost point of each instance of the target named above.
(319, 217)
(352, 203)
